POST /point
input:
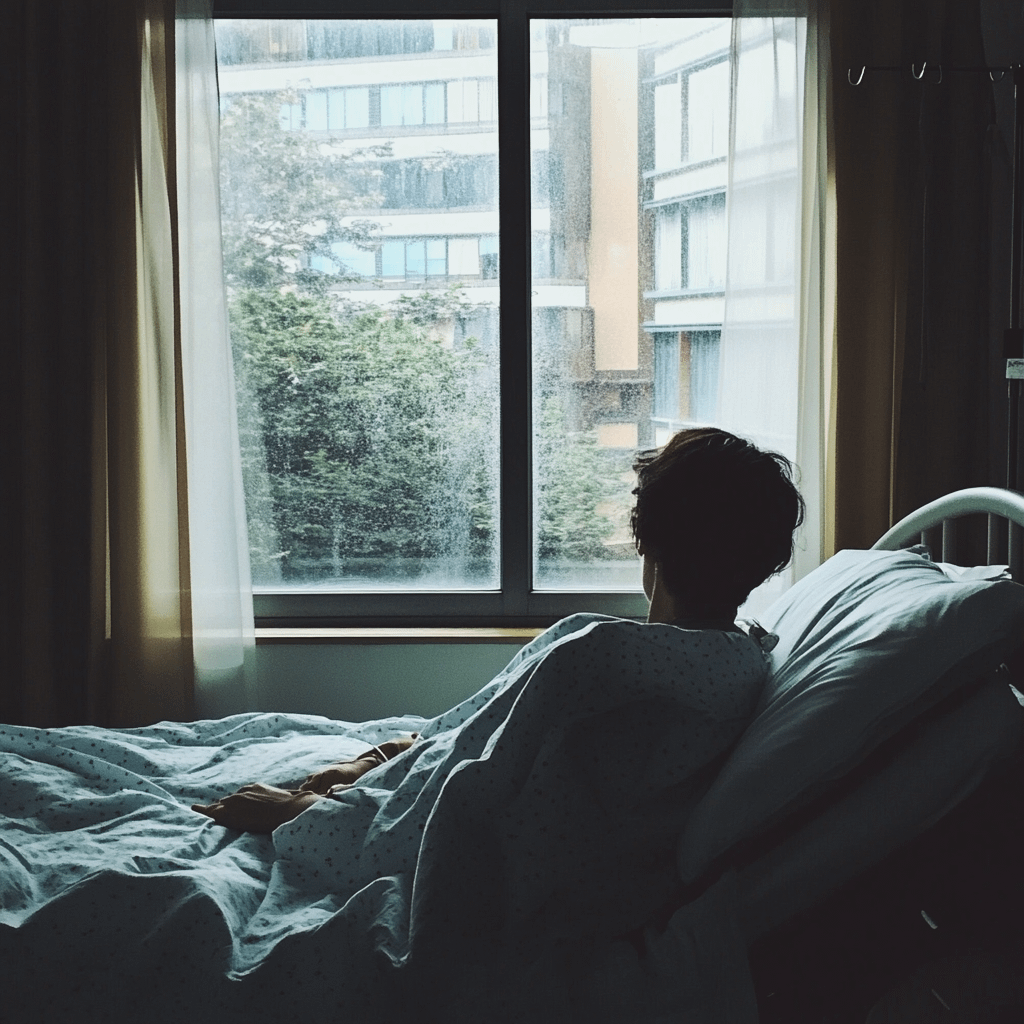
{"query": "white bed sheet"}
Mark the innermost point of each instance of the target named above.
(482, 875)
(937, 769)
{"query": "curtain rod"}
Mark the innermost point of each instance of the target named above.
(919, 75)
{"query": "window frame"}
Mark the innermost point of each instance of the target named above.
(515, 603)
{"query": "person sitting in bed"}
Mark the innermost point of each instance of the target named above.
(714, 517)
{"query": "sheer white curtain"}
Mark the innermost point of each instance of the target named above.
(776, 334)
(222, 611)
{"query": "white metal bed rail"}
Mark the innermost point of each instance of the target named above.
(998, 502)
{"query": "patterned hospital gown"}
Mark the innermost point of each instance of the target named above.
(508, 866)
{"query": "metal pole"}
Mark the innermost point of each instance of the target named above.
(1013, 338)
(1017, 216)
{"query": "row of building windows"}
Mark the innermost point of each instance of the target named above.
(685, 378)
(690, 245)
(430, 257)
(414, 258)
(462, 101)
(691, 117)
(417, 184)
(257, 41)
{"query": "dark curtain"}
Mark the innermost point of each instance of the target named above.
(75, 444)
(60, 77)
(919, 402)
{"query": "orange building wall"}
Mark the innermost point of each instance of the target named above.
(614, 234)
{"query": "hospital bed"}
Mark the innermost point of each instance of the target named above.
(887, 704)
(868, 843)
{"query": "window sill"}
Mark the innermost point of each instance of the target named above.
(394, 635)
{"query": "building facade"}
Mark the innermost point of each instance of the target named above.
(628, 135)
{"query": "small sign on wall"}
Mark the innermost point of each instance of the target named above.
(1015, 369)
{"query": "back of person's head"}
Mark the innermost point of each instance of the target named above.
(717, 514)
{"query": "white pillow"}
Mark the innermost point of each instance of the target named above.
(866, 642)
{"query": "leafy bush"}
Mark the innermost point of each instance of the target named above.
(378, 440)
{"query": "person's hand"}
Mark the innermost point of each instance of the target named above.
(345, 773)
(257, 808)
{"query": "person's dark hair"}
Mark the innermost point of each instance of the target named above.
(717, 514)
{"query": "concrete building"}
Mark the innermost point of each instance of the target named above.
(629, 135)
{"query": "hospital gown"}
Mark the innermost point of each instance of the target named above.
(516, 863)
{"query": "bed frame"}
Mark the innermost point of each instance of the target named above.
(997, 502)
(826, 960)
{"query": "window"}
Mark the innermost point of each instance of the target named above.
(346, 259)
(489, 257)
(439, 181)
(432, 433)
(334, 110)
(412, 104)
(691, 108)
(705, 242)
(392, 106)
(685, 380)
(690, 245)
(472, 100)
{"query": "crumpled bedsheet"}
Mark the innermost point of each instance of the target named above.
(515, 864)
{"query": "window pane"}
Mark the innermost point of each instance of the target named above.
(316, 111)
(668, 124)
(539, 95)
(415, 258)
(290, 116)
(443, 32)
(666, 377)
(489, 257)
(614, 367)
(705, 242)
(434, 100)
(391, 105)
(336, 109)
(357, 108)
(393, 259)
(437, 262)
(707, 112)
(541, 254)
(352, 260)
(368, 405)
(412, 104)
(455, 104)
(668, 249)
(488, 99)
(704, 375)
(470, 108)
(464, 256)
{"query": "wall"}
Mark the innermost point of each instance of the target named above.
(359, 682)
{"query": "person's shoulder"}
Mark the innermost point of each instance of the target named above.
(580, 620)
(592, 629)
(665, 635)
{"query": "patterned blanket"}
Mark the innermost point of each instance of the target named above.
(516, 863)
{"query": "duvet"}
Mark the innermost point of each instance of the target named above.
(516, 863)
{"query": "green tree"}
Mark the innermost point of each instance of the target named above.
(378, 439)
(285, 195)
(573, 478)
(366, 438)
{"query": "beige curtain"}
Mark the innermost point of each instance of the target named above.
(99, 508)
(916, 354)
(817, 297)
(778, 330)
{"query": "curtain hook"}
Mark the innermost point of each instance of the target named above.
(1002, 75)
(860, 78)
(913, 70)
(939, 82)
